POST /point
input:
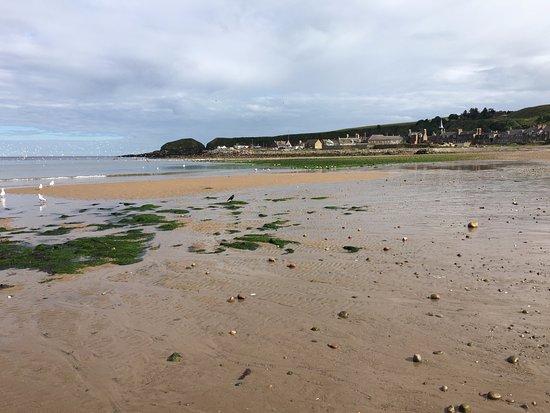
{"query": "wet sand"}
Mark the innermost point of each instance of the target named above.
(185, 186)
(99, 341)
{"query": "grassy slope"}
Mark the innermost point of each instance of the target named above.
(522, 118)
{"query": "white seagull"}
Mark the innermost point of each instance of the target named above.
(40, 186)
(2, 193)
(41, 199)
(52, 183)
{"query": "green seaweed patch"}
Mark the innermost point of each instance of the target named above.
(176, 211)
(351, 248)
(170, 226)
(81, 211)
(142, 208)
(55, 231)
(252, 241)
(236, 212)
(289, 250)
(174, 357)
(204, 251)
(232, 205)
(74, 255)
(233, 231)
(318, 198)
(332, 207)
(275, 225)
(210, 197)
(193, 208)
(143, 219)
(106, 226)
(262, 215)
(279, 199)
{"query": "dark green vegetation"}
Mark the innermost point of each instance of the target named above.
(279, 199)
(251, 241)
(487, 119)
(359, 161)
(74, 255)
(180, 147)
(203, 251)
(318, 198)
(169, 226)
(275, 225)
(142, 219)
(351, 248)
(55, 231)
(142, 208)
(173, 211)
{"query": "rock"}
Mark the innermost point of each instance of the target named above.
(232, 332)
(5, 286)
(473, 224)
(437, 352)
(291, 265)
(492, 395)
(334, 346)
(404, 239)
(386, 248)
(434, 296)
(231, 299)
(314, 328)
(245, 373)
(450, 409)
(464, 408)
(512, 359)
(443, 388)
(271, 259)
(174, 357)
(417, 358)
(289, 373)
(241, 297)
(343, 314)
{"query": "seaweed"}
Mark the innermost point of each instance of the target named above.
(142, 208)
(73, 255)
(251, 241)
(351, 248)
(169, 226)
(55, 231)
(275, 225)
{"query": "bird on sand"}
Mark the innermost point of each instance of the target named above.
(2, 193)
(41, 199)
(52, 183)
(40, 186)
(231, 198)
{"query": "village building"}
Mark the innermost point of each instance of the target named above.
(281, 145)
(383, 140)
(349, 141)
(314, 144)
(328, 143)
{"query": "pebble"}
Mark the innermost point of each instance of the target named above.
(314, 328)
(493, 395)
(386, 248)
(434, 296)
(343, 314)
(404, 239)
(473, 224)
(450, 409)
(444, 388)
(417, 358)
(334, 346)
(231, 299)
(512, 359)
(240, 297)
(271, 259)
(233, 332)
(291, 265)
(464, 408)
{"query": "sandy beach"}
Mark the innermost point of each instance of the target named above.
(184, 186)
(318, 328)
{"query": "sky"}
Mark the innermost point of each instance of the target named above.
(108, 77)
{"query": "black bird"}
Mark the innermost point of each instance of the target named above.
(231, 198)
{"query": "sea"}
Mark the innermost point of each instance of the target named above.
(33, 171)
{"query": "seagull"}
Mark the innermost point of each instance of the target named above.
(41, 199)
(2, 193)
(40, 186)
(231, 198)
(52, 183)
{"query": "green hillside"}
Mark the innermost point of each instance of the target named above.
(487, 119)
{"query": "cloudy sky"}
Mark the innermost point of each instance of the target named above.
(108, 77)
